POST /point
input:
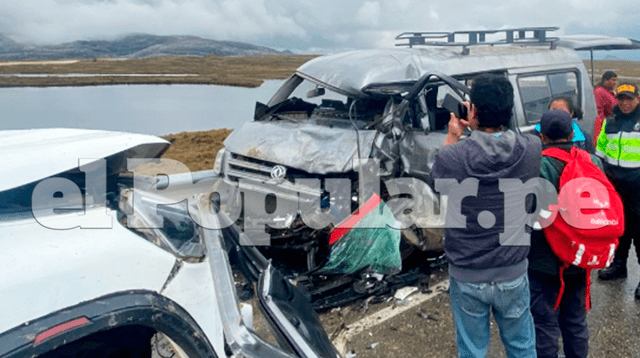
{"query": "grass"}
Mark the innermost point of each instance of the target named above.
(626, 70)
(248, 71)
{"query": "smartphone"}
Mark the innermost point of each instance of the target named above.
(453, 105)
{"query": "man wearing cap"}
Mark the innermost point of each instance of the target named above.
(570, 319)
(619, 147)
(605, 98)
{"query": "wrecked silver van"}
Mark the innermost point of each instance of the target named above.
(374, 117)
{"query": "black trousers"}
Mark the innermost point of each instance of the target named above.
(570, 319)
(631, 234)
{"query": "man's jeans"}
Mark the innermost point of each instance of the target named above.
(472, 304)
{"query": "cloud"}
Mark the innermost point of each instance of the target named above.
(301, 24)
(49, 21)
(369, 14)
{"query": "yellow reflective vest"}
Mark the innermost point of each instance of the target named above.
(619, 148)
(619, 140)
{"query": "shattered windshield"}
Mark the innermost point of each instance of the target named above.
(304, 99)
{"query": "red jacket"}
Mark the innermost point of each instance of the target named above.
(605, 102)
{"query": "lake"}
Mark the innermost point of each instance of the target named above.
(148, 109)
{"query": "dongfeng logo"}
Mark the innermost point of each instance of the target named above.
(278, 172)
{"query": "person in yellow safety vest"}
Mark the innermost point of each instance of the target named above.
(619, 147)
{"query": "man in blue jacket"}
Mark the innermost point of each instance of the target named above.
(486, 274)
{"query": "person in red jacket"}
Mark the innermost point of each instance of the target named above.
(605, 99)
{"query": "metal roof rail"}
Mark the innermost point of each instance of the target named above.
(527, 36)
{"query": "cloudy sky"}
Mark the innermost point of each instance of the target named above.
(304, 25)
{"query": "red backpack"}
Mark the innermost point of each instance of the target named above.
(588, 237)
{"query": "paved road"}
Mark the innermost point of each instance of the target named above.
(423, 327)
(614, 321)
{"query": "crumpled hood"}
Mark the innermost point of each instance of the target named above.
(302, 145)
(491, 157)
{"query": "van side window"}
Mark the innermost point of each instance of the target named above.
(537, 91)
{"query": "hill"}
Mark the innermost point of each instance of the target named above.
(132, 46)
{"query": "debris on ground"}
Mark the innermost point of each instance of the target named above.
(405, 292)
(428, 316)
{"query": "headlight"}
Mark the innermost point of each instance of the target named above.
(168, 226)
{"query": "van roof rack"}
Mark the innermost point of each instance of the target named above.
(527, 36)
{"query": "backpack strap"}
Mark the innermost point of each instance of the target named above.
(557, 153)
(587, 302)
(561, 292)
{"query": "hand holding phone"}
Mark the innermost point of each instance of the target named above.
(454, 106)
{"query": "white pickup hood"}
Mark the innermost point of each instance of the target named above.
(30, 155)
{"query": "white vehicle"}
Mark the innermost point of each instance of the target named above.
(84, 273)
